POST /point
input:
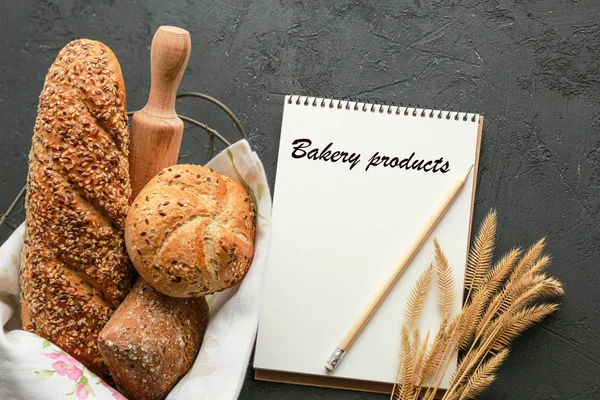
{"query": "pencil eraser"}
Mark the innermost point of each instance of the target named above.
(334, 359)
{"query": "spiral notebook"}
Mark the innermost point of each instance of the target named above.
(355, 182)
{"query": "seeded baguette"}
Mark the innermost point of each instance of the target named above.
(75, 270)
(190, 231)
(152, 341)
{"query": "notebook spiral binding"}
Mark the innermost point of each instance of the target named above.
(365, 106)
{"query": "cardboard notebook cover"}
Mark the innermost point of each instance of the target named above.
(358, 384)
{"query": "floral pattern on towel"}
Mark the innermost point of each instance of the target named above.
(67, 366)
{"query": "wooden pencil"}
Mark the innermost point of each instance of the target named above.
(391, 280)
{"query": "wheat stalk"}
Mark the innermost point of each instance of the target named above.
(502, 301)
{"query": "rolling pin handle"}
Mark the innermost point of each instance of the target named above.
(169, 55)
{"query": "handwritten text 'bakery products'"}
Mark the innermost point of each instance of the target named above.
(302, 148)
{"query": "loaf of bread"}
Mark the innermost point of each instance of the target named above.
(152, 340)
(190, 231)
(75, 270)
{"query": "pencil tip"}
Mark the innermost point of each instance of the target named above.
(469, 171)
(466, 175)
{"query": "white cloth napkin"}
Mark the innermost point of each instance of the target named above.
(33, 368)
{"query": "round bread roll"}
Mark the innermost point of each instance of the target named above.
(190, 231)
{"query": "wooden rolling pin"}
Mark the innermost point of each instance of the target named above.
(156, 130)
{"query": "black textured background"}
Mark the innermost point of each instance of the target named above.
(532, 68)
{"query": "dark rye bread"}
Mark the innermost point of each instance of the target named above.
(190, 231)
(75, 270)
(152, 341)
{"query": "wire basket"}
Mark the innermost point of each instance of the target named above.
(204, 143)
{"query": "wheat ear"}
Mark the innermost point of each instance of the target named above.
(495, 277)
(417, 297)
(445, 282)
(528, 260)
(480, 256)
(483, 376)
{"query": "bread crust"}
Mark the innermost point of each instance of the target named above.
(75, 270)
(152, 341)
(190, 231)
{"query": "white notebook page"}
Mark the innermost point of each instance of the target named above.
(339, 228)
